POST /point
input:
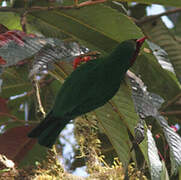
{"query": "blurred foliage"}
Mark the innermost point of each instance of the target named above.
(108, 133)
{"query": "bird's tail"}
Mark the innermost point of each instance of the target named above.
(48, 130)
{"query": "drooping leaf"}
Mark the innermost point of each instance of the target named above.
(174, 142)
(154, 160)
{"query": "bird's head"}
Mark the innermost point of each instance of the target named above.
(139, 43)
(127, 51)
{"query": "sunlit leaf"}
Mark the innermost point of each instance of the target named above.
(154, 160)
(161, 56)
(10, 19)
(174, 142)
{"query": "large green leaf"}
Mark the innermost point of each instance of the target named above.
(116, 118)
(93, 30)
(159, 34)
(10, 20)
(155, 77)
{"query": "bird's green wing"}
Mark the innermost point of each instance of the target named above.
(78, 88)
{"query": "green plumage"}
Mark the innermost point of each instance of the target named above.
(88, 87)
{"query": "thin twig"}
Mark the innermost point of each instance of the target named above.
(35, 8)
(91, 53)
(170, 113)
(8, 115)
(37, 91)
(169, 103)
(150, 18)
(16, 119)
(41, 84)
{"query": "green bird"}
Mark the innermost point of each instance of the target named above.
(90, 86)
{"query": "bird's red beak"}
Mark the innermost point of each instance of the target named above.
(141, 41)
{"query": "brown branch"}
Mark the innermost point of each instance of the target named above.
(90, 2)
(36, 8)
(83, 4)
(170, 102)
(170, 113)
(150, 18)
(8, 115)
(39, 8)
